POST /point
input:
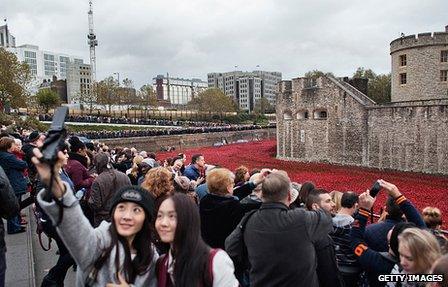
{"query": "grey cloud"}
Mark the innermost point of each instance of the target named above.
(141, 38)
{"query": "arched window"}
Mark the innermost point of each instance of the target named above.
(287, 115)
(320, 114)
(302, 115)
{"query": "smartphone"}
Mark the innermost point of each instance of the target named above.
(58, 123)
(56, 135)
(375, 189)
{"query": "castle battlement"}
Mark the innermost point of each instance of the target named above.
(419, 40)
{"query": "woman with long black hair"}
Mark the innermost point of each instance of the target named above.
(189, 261)
(114, 254)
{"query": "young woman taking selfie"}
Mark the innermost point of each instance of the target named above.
(114, 254)
(189, 261)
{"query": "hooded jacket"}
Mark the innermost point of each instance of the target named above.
(346, 259)
(220, 214)
(104, 187)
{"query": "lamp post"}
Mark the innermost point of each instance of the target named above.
(118, 92)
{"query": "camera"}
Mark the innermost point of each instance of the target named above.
(55, 137)
(375, 189)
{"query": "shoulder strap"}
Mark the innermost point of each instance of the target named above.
(212, 254)
(162, 270)
(245, 219)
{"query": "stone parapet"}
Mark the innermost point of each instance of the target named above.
(419, 40)
(180, 142)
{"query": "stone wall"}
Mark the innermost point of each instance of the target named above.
(410, 138)
(422, 69)
(192, 140)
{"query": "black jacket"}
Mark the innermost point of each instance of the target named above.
(221, 214)
(8, 204)
(280, 245)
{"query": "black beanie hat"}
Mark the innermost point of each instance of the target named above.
(33, 136)
(397, 230)
(137, 195)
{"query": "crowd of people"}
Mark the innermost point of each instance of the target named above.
(123, 217)
(129, 120)
(163, 132)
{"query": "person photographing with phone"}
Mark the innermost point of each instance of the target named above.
(114, 254)
(395, 208)
(372, 261)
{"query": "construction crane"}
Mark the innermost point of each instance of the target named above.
(93, 42)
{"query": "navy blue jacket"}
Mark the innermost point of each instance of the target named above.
(191, 172)
(373, 261)
(14, 168)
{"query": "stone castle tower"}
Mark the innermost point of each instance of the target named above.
(329, 120)
(420, 67)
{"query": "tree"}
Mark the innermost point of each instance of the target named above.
(378, 86)
(47, 99)
(128, 94)
(212, 100)
(86, 98)
(262, 106)
(147, 96)
(14, 80)
(106, 93)
(314, 74)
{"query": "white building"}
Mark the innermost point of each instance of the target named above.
(43, 64)
(177, 91)
(246, 87)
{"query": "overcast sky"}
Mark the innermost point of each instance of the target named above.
(190, 38)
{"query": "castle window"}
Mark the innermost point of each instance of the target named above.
(403, 60)
(320, 115)
(403, 79)
(444, 75)
(302, 115)
(444, 56)
(287, 115)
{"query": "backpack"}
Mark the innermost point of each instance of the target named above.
(163, 279)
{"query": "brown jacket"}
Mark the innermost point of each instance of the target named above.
(104, 187)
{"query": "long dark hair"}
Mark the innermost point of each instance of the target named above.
(189, 249)
(139, 265)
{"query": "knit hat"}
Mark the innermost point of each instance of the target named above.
(33, 136)
(137, 195)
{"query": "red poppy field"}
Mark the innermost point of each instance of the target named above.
(422, 189)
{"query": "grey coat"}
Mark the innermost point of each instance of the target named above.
(86, 243)
(8, 205)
